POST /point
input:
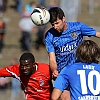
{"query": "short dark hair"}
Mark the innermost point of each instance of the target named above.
(27, 56)
(87, 52)
(55, 12)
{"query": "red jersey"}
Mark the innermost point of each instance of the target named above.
(37, 86)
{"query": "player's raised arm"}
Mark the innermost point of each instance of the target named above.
(53, 64)
(8, 71)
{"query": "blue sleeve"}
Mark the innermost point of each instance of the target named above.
(61, 81)
(48, 42)
(88, 31)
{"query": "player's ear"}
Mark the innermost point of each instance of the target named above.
(64, 19)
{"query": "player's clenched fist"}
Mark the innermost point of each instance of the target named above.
(55, 74)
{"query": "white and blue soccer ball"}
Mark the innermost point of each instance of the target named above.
(40, 16)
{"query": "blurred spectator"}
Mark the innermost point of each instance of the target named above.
(15, 88)
(52, 3)
(15, 83)
(14, 61)
(1, 4)
(40, 36)
(3, 83)
(18, 5)
(4, 7)
(2, 33)
(26, 27)
(41, 29)
(71, 9)
(30, 7)
(42, 2)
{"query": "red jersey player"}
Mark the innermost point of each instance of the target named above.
(35, 77)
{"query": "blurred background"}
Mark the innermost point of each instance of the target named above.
(11, 37)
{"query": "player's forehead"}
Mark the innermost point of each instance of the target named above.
(57, 21)
(28, 61)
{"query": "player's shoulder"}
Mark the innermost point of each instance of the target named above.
(16, 66)
(42, 64)
(13, 68)
(51, 31)
(74, 66)
(75, 23)
(44, 68)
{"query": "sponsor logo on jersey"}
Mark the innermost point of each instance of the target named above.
(74, 35)
(41, 82)
(68, 48)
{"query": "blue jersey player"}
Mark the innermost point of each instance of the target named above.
(82, 76)
(62, 40)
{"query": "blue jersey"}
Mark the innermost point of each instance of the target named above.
(84, 81)
(64, 44)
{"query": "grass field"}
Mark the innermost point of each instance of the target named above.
(12, 36)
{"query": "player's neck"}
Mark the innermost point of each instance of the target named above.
(35, 68)
(65, 26)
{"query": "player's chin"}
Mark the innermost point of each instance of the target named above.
(59, 31)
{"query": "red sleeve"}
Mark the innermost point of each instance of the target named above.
(8, 70)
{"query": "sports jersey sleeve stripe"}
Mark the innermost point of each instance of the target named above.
(88, 31)
(48, 42)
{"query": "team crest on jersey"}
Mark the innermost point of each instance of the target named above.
(74, 35)
(41, 82)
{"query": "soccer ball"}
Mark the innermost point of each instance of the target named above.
(40, 16)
